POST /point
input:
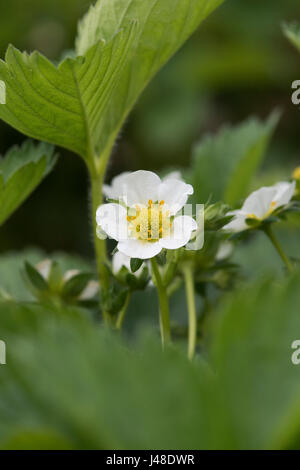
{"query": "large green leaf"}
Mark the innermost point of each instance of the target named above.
(83, 102)
(224, 164)
(21, 170)
(93, 391)
(64, 105)
(253, 350)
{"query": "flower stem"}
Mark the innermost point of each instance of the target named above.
(122, 313)
(163, 304)
(269, 232)
(190, 295)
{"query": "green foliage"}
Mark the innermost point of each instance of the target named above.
(135, 264)
(71, 382)
(12, 279)
(48, 282)
(292, 32)
(64, 105)
(35, 278)
(82, 103)
(224, 165)
(21, 171)
(252, 353)
(76, 285)
(91, 385)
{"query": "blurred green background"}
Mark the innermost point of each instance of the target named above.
(237, 64)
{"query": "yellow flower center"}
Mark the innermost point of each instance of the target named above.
(149, 223)
(296, 173)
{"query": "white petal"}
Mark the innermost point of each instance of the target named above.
(183, 228)
(259, 202)
(284, 192)
(69, 274)
(224, 251)
(44, 268)
(90, 291)
(117, 187)
(141, 186)
(139, 249)
(175, 193)
(238, 224)
(119, 260)
(173, 175)
(112, 218)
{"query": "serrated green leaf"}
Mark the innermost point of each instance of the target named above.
(65, 105)
(21, 170)
(292, 32)
(82, 103)
(223, 165)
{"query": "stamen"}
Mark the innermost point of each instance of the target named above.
(150, 223)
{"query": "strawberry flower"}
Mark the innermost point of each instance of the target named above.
(260, 205)
(146, 218)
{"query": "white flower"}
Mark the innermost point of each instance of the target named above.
(260, 205)
(149, 222)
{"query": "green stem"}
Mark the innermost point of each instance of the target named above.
(163, 304)
(174, 286)
(268, 231)
(97, 169)
(100, 245)
(171, 268)
(190, 295)
(122, 313)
